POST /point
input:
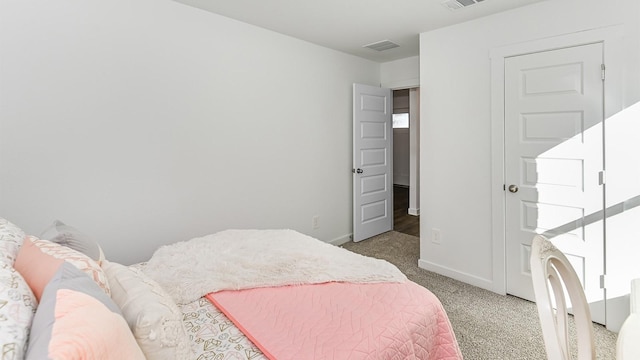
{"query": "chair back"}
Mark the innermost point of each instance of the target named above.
(552, 273)
(627, 345)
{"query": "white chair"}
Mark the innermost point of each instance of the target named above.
(550, 269)
(628, 346)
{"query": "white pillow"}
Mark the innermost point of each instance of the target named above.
(17, 306)
(154, 318)
(11, 238)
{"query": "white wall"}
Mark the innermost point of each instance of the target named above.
(401, 74)
(456, 122)
(148, 122)
(414, 151)
(401, 157)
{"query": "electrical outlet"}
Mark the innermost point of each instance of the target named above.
(436, 236)
(315, 222)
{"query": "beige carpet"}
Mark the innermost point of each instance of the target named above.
(487, 325)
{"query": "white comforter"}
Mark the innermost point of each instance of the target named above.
(242, 259)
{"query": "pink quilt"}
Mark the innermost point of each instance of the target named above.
(342, 321)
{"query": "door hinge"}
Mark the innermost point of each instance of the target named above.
(603, 280)
(602, 177)
(603, 69)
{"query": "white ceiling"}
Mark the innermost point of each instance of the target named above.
(347, 25)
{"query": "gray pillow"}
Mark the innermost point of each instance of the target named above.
(111, 336)
(63, 234)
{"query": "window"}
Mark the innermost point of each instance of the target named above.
(401, 121)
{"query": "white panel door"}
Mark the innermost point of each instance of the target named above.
(553, 156)
(372, 169)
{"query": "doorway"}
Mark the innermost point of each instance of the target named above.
(374, 157)
(406, 211)
(612, 80)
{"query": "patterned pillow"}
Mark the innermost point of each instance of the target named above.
(63, 234)
(17, 306)
(76, 320)
(10, 241)
(78, 259)
(152, 315)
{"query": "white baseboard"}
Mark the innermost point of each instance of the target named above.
(341, 240)
(414, 212)
(457, 275)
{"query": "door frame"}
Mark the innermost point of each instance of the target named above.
(612, 38)
(414, 147)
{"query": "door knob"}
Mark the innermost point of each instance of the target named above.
(513, 188)
(359, 171)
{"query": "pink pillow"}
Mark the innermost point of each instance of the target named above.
(36, 267)
(105, 336)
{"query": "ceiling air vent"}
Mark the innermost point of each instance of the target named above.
(381, 45)
(459, 4)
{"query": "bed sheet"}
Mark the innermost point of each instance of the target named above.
(213, 336)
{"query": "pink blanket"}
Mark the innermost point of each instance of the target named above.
(342, 321)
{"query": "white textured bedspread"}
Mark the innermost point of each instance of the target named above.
(244, 259)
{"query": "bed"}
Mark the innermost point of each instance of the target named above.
(236, 294)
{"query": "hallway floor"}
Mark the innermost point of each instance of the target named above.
(402, 221)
